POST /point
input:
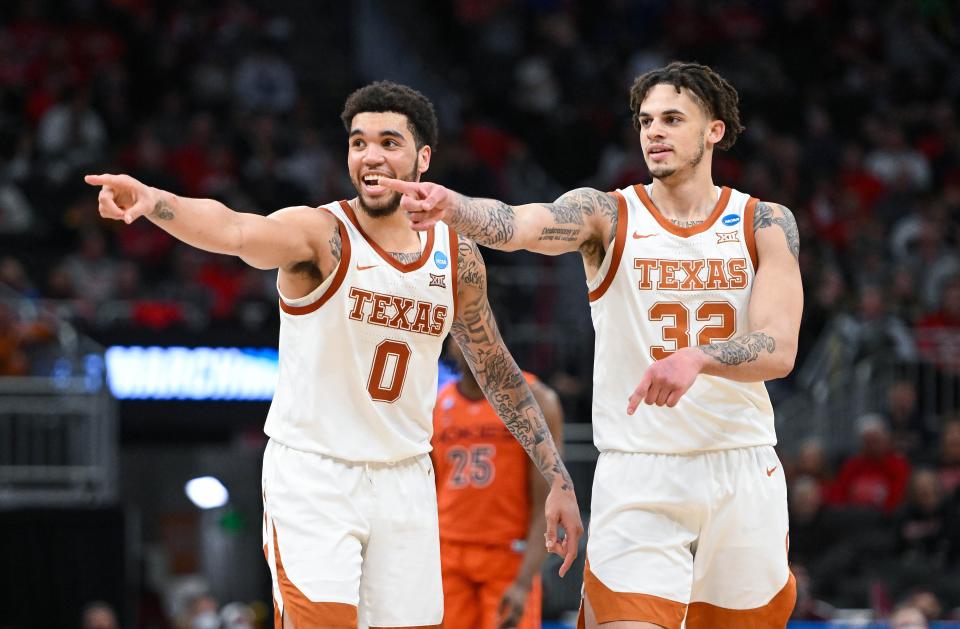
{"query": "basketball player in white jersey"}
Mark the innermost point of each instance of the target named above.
(696, 299)
(350, 511)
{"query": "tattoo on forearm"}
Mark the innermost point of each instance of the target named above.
(493, 223)
(743, 349)
(475, 330)
(765, 215)
(486, 221)
(162, 211)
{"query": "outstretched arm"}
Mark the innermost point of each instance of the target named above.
(514, 600)
(769, 349)
(579, 220)
(476, 332)
(285, 239)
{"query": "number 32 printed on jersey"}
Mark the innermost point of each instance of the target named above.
(720, 318)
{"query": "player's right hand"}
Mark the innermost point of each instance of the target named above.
(561, 511)
(425, 203)
(122, 197)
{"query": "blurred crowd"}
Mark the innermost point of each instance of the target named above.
(197, 610)
(852, 121)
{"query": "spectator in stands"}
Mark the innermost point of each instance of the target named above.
(906, 616)
(264, 80)
(71, 135)
(948, 466)
(926, 600)
(201, 612)
(808, 607)
(873, 332)
(13, 274)
(921, 524)
(92, 271)
(830, 542)
(99, 615)
(938, 334)
(17, 339)
(877, 475)
(911, 436)
(811, 462)
(895, 161)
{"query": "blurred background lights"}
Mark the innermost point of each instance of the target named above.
(207, 492)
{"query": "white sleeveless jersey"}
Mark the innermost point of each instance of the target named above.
(662, 287)
(358, 355)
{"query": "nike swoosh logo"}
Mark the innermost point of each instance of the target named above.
(364, 268)
(636, 235)
(771, 470)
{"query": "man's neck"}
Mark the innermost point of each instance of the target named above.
(393, 233)
(687, 201)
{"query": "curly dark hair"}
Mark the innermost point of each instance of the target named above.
(388, 96)
(710, 90)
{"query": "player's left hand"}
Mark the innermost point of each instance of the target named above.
(510, 610)
(561, 510)
(666, 380)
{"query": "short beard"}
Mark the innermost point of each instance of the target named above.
(393, 201)
(693, 163)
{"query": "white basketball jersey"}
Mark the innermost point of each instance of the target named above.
(358, 355)
(661, 288)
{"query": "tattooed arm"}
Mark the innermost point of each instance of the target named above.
(776, 304)
(582, 220)
(476, 332)
(768, 350)
(301, 241)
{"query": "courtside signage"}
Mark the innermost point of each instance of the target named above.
(192, 373)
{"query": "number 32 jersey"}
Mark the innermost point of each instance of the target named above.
(661, 288)
(358, 355)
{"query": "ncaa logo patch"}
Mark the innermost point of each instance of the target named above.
(730, 220)
(440, 259)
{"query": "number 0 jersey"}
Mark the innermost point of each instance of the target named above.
(660, 288)
(358, 355)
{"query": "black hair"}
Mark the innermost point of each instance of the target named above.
(387, 96)
(711, 91)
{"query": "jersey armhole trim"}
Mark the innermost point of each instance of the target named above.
(454, 270)
(618, 245)
(749, 234)
(338, 275)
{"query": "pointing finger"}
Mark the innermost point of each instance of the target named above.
(639, 393)
(410, 188)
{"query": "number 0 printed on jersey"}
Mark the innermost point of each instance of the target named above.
(389, 370)
(720, 318)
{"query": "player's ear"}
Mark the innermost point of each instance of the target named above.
(715, 131)
(423, 153)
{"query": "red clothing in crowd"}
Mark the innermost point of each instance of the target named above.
(871, 482)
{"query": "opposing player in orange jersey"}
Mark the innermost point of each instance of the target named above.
(490, 500)
(696, 299)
